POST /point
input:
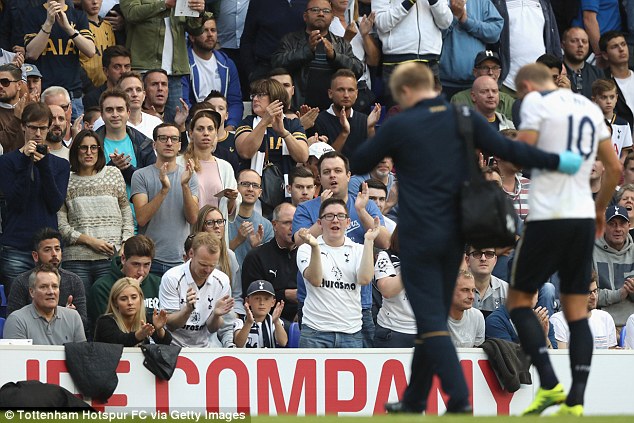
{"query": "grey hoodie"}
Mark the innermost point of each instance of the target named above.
(613, 267)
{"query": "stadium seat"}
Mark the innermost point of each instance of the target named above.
(293, 335)
(622, 338)
(3, 302)
(2, 319)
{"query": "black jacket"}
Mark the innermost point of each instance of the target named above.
(143, 150)
(621, 109)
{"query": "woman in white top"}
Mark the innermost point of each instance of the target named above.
(96, 217)
(217, 184)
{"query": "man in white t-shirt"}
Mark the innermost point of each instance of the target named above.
(465, 322)
(560, 230)
(196, 294)
(601, 323)
(334, 269)
(132, 84)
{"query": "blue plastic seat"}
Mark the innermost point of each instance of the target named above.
(293, 335)
(2, 320)
(3, 302)
(622, 338)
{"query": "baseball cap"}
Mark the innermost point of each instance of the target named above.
(616, 211)
(486, 55)
(319, 149)
(194, 26)
(31, 70)
(260, 286)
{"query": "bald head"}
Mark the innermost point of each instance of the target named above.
(485, 95)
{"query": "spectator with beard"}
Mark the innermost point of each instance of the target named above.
(58, 96)
(381, 172)
(56, 133)
(11, 134)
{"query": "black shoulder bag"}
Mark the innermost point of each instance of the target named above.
(272, 182)
(487, 214)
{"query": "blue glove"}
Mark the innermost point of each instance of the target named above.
(569, 162)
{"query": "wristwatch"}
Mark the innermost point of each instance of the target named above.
(75, 35)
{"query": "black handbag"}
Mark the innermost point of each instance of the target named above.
(273, 186)
(161, 359)
(487, 214)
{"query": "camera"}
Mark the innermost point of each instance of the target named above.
(42, 149)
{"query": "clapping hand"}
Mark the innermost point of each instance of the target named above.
(224, 305)
(277, 311)
(373, 232)
(305, 235)
(159, 319)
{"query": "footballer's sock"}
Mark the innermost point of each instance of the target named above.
(581, 345)
(533, 343)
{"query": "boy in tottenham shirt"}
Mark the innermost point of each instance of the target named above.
(260, 329)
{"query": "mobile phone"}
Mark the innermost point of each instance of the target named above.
(42, 149)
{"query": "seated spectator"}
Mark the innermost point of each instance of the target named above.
(249, 229)
(301, 185)
(47, 249)
(135, 262)
(267, 136)
(211, 70)
(332, 315)
(314, 54)
(11, 132)
(491, 292)
(487, 63)
(56, 133)
(165, 198)
(613, 260)
(628, 169)
(465, 322)
(345, 127)
(260, 328)
(556, 68)
(156, 87)
(306, 114)
(315, 151)
(601, 323)
(597, 19)
(34, 185)
(276, 262)
(104, 37)
(485, 95)
(515, 185)
(625, 198)
(196, 295)
(605, 96)
(381, 172)
(96, 219)
(33, 80)
(575, 45)
(395, 322)
(377, 192)
(59, 96)
(615, 51)
(210, 219)
(115, 61)
(44, 321)
(124, 322)
(498, 325)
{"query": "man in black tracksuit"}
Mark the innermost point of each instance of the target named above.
(431, 160)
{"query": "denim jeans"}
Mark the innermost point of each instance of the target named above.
(88, 270)
(78, 109)
(367, 329)
(174, 94)
(13, 263)
(311, 338)
(388, 338)
(546, 298)
(159, 268)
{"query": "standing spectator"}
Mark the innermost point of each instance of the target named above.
(332, 315)
(314, 54)
(465, 322)
(95, 220)
(381, 172)
(395, 322)
(55, 33)
(156, 86)
(33, 79)
(59, 96)
(250, 228)
(301, 185)
(124, 147)
(103, 36)
(156, 21)
(47, 249)
(165, 198)
(216, 184)
(275, 261)
(125, 319)
(475, 25)
(411, 31)
(598, 17)
(34, 184)
(196, 295)
(604, 94)
(210, 219)
(615, 52)
(231, 19)
(574, 43)
(55, 138)
(11, 132)
(226, 146)
(43, 321)
(115, 61)
(266, 22)
(211, 70)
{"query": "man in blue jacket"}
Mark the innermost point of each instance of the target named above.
(211, 70)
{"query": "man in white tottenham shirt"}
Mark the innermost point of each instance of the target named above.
(334, 268)
(132, 84)
(601, 323)
(196, 295)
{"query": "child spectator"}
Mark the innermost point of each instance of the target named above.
(604, 94)
(260, 328)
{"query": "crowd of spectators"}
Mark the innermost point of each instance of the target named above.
(194, 169)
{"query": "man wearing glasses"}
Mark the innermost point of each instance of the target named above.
(165, 198)
(249, 229)
(490, 291)
(34, 184)
(314, 55)
(11, 133)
